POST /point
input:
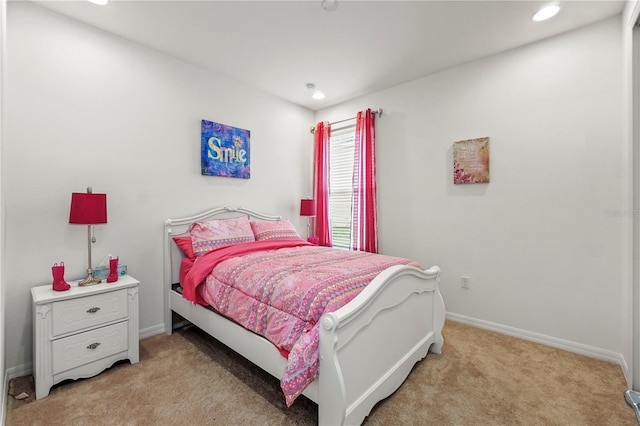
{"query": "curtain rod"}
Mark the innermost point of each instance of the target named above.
(378, 112)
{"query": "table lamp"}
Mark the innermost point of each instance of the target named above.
(88, 209)
(308, 208)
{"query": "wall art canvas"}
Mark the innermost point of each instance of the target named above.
(471, 161)
(225, 151)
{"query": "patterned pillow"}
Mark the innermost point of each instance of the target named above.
(274, 230)
(209, 235)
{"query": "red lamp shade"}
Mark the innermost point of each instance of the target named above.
(307, 208)
(88, 208)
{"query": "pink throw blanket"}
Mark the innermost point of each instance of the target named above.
(280, 289)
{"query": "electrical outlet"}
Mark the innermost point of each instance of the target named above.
(464, 281)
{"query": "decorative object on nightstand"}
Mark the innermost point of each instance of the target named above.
(102, 272)
(59, 284)
(113, 270)
(88, 209)
(83, 331)
(308, 209)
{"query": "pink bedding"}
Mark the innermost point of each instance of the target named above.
(280, 289)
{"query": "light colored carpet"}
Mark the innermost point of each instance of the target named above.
(481, 378)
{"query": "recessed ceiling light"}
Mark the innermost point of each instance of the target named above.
(318, 94)
(546, 12)
(315, 92)
(99, 2)
(329, 5)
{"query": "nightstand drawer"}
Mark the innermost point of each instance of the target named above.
(77, 314)
(83, 348)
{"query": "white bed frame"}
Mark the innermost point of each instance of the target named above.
(367, 348)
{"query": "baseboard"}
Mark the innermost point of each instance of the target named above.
(152, 331)
(18, 371)
(3, 400)
(11, 373)
(578, 348)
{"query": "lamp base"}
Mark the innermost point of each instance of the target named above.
(90, 280)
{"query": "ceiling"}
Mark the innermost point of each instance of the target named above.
(362, 47)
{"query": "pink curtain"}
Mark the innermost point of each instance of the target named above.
(364, 233)
(321, 183)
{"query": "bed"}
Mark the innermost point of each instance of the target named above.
(365, 349)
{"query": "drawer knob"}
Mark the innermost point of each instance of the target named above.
(93, 345)
(93, 310)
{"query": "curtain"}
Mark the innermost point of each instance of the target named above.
(364, 234)
(321, 183)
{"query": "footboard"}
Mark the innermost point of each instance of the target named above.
(368, 347)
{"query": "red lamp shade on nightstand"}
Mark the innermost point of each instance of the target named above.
(307, 207)
(88, 209)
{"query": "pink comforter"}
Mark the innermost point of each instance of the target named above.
(280, 289)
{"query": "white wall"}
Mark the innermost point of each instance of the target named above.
(85, 108)
(3, 51)
(631, 90)
(544, 258)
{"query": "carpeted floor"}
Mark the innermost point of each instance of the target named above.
(481, 378)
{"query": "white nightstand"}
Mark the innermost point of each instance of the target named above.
(82, 331)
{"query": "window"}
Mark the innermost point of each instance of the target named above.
(341, 185)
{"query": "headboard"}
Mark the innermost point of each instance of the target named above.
(180, 226)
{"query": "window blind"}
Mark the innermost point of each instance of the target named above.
(341, 184)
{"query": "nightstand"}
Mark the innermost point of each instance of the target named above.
(82, 331)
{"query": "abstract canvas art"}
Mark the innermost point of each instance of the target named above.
(471, 161)
(225, 151)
